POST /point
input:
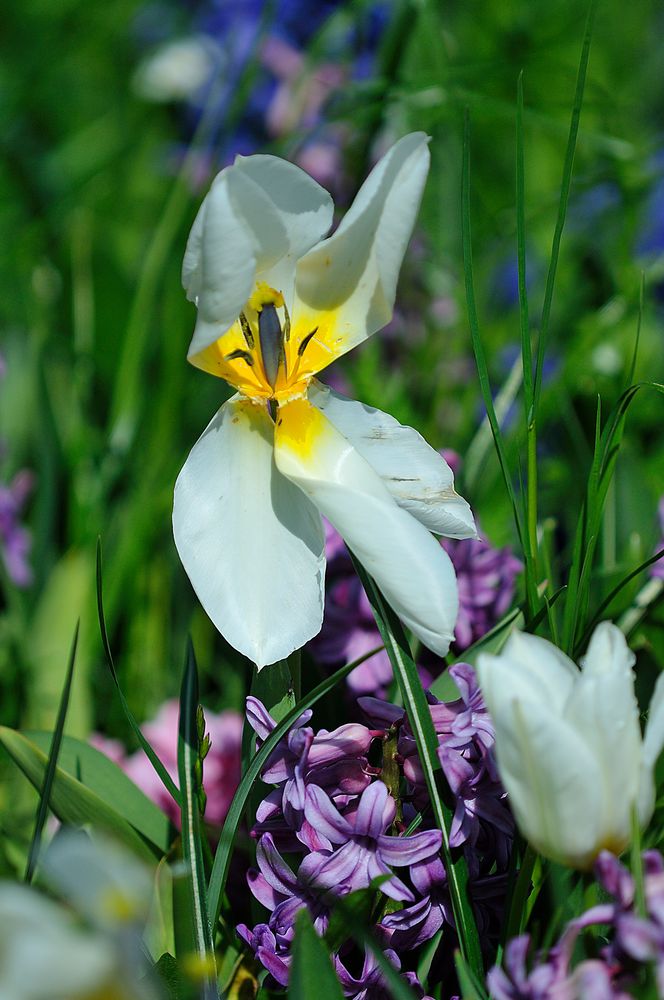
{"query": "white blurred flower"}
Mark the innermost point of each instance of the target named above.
(102, 881)
(606, 359)
(44, 956)
(277, 303)
(177, 70)
(569, 745)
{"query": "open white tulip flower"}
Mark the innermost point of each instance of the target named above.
(568, 743)
(276, 304)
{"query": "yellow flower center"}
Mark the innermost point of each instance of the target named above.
(267, 355)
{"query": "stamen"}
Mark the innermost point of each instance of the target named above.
(286, 323)
(247, 331)
(271, 338)
(239, 353)
(303, 346)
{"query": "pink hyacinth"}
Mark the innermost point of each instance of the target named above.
(221, 768)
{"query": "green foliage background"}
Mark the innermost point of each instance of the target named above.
(99, 401)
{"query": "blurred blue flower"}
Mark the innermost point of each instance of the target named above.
(248, 68)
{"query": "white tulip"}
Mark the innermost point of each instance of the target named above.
(44, 956)
(568, 743)
(277, 303)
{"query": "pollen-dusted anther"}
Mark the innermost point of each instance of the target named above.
(270, 335)
(303, 346)
(245, 355)
(247, 331)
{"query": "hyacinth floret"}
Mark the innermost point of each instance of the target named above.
(634, 943)
(337, 804)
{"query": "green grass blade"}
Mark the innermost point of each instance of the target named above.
(608, 601)
(222, 859)
(637, 338)
(351, 919)
(564, 198)
(419, 716)
(161, 771)
(71, 801)
(530, 496)
(49, 773)
(524, 319)
(190, 782)
(480, 359)
(471, 987)
(312, 967)
(605, 456)
(103, 777)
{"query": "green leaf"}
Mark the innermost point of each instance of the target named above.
(471, 988)
(190, 774)
(170, 978)
(312, 968)
(357, 907)
(49, 773)
(161, 771)
(103, 776)
(350, 920)
(419, 716)
(72, 802)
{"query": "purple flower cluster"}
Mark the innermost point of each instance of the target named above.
(486, 579)
(342, 802)
(289, 88)
(634, 948)
(14, 538)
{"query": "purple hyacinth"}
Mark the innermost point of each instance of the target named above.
(486, 581)
(657, 568)
(14, 538)
(633, 941)
(466, 738)
(364, 850)
(341, 819)
(272, 956)
(283, 893)
(302, 761)
(371, 984)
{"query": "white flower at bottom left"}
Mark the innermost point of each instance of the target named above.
(45, 956)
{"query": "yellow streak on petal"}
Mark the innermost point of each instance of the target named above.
(300, 428)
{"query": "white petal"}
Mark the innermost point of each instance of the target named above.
(603, 710)
(99, 878)
(44, 954)
(251, 542)
(409, 566)
(417, 476)
(260, 214)
(528, 668)
(305, 208)
(219, 265)
(552, 780)
(353, 274)
(653, 742)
